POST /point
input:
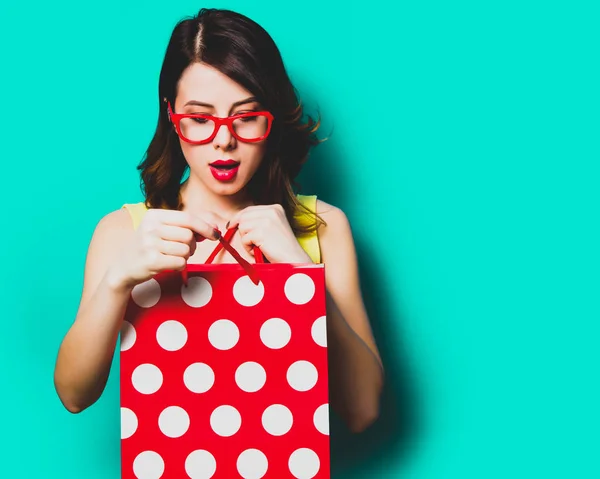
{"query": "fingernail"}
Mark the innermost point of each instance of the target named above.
(199, 237)
(216, 233)
(227, 225)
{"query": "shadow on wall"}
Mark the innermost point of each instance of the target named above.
(391, 436)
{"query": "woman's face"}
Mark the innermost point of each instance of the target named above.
(203, 89)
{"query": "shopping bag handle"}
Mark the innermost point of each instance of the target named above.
(224, 242)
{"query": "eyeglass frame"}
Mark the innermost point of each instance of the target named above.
(175, 119)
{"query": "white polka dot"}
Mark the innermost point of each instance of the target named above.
(128, 336)
(173, 421)
(129, 423)
(199, 377)
(250, 377)
(302, 375)
(225, 421)
(247, 293)
(147, 378)
(171, 335)
(223, 334)
(146, 294)
(252, 464)
(299, 288)
(321, 419)
(148, 465)
(275, 333)
(197, 293)
(319, 331)
(200, 464)
(304, 463)
(277, 420)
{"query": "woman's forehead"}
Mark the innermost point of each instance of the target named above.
(205, 84)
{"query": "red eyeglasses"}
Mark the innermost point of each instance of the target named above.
(199, 129)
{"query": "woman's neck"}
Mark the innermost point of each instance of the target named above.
(197, 198)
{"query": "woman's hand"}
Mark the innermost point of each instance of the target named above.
(164, 240)
(267, 227)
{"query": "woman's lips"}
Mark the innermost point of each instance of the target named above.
(224, 170)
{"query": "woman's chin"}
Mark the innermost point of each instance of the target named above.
(226, 188)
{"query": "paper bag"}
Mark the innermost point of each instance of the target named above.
(222, 378)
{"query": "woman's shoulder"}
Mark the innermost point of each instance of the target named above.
(334, 220)
(136, 212)
(333, 238)
(123, 219)
(320, 207)
(327, 211)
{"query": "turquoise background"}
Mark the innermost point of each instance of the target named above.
(464, 149)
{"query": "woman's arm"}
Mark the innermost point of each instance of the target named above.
(118, 259)
(85, 355)
(356, 371)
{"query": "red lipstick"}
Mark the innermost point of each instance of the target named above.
(224, 170)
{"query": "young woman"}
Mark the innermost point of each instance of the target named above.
(242, 148)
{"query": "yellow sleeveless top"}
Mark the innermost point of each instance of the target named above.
(309, 242)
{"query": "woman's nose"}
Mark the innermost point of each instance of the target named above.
(223, 139)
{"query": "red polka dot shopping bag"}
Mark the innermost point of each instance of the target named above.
(223, 373)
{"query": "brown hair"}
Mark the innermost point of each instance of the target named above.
(241, 49)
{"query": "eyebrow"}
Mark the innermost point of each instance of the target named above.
(208, 105)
